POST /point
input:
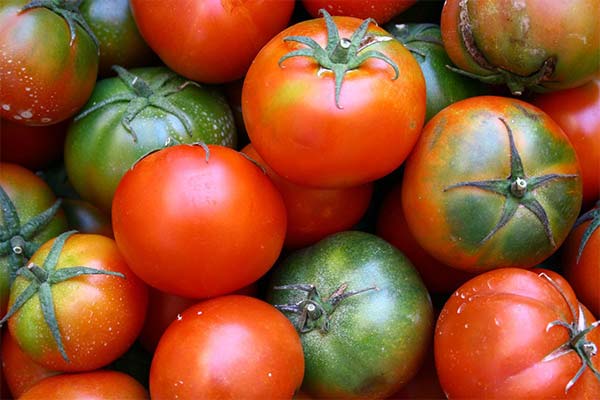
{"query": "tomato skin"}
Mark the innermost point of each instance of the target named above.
(43, 81)
(20, 371)
(583, 274)
(119, 38)
(31, 196)
(498, 325)
(99, 316)
(576, 111)
(376, 340)
(380, 10)
(228, 332)
(469, 141)
(96, 385)
(33, 147)
(519, 37)
(314, 213)
(293, 122)
(99, 149)
(219, 223)
(211, 41)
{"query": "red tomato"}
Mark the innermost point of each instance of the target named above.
(20, 371)
(228, 347)
(211, 41)
(99, 316)
(577, 111)
(392, 226)
(316, 131)
(380, 10)
(314, 213)
(501, 334)
(34, 147)
(581, 259)
(97, 385)
(196, 227)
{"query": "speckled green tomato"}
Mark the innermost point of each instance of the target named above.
(29, 216)
(129, 116)
(363, 313)
(493, 182)
(543, 45)
(443, 86)
(118, 35)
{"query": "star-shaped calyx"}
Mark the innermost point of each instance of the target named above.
(315, 311)
(518, 190)
(41, 280)
(341, 54)
(17, 239)
(144, 94)
(594, 216)
(69, 11)
(577, 342)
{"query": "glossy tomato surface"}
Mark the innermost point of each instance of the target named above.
(197, 224)
(313, 137)
(229, 347)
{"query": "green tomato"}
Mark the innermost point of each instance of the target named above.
(134, 114)
(364, 315)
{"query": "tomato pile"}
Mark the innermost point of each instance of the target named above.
(226, 199)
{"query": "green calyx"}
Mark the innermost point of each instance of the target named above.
(594, 216)
(17, 239)
(144, 94)
(69, 11)
(41, 280)
(497, 75)
(518, 190)
(577, 341)
(341, 54)
(315, 311)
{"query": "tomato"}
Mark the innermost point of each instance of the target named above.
(581, 259)
(34, 147)
(525, 44)
(314, 213)
(76, 306)
(364, 315)
(576, 111)
(20, 371)
(212, 41)
(512, 333)
(131, 115)
(47, 71)
(198, 224)
(30, 216)
(391, 226)
(232, 347)
(443, 86)
(338, 117)
(493, 182)
(380, 10)
(97, 385)
(118, 35)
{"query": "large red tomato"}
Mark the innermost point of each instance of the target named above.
(211, 41)
(230, 347)
(198, 225)
(380, 10)
(577, 111)
(511, 333)
(326, 111)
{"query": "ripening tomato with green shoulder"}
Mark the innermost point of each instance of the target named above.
(76, 306)
(513, 333)
(493, 182)
(576, 111)
(333, 102)
(48, 60)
